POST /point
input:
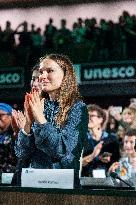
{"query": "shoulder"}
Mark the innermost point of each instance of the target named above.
(78, 112)
(109, 135)
(113, 136)
(111, 140)
(78, 106)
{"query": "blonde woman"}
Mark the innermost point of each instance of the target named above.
(127, 119)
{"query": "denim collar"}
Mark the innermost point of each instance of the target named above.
(51, 108)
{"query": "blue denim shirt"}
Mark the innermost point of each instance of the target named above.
(52, 147)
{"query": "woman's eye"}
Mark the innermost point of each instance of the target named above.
(50, 71)
(40, 71)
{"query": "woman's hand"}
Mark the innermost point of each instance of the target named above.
(97, 149)
(105, 157)
(116, 114)
(27, 109)
(19, 118)
(86, 160)
(20, 121)
(28, 114)
(14, 122)
(37, 107)
(113, 167)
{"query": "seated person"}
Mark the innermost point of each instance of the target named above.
(103, 148)
(7, 156)
(55, 126)
(127, 163)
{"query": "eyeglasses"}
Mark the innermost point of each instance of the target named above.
(90, 116)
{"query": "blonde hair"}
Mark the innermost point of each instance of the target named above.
(68, 92)
(131, 110)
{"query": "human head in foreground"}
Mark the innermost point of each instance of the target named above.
(58, 80)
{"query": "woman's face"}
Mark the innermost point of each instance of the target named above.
(112, 124)
(51, 76)
(128, 116)
(5, 121)
(35, 80)
(120, 132)
(94, 120)
(129, 144)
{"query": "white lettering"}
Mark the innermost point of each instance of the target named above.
(106, 73)
(97, 73)
(122, 72)
(16, 78)
(9, 78)
(114, 72)
(130, 72)
(109, 73)
(88, 74)
(2, 78)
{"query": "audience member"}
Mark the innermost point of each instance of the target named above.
(57, 136)
(126, 164)
(103, 148)
(7, 156)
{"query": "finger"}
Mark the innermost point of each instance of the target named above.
(42, 101)
(14, 112)
(37, 97)
(32, 97)
(21, 116)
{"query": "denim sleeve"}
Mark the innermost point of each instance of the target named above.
(64, 144)
(23, 145)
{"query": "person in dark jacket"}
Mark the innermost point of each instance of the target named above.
(103, 148)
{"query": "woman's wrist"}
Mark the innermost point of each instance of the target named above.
(86, 160)
(27, 128)
(42, 120)
(92, 156)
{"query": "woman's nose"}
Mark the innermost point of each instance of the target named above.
(43, 76)
(129, 145)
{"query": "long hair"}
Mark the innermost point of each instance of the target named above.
(131, 110)
(68, 92)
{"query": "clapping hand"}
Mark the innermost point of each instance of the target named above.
(113, 167)
(105, 157)
(36, 107)
(18, 121)
(87, 159)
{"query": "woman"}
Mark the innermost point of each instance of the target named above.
(18, 122)
(56, 126)
(35, 85)
(103, 148)
(127, 119)
(18, 118)
(7, 155)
